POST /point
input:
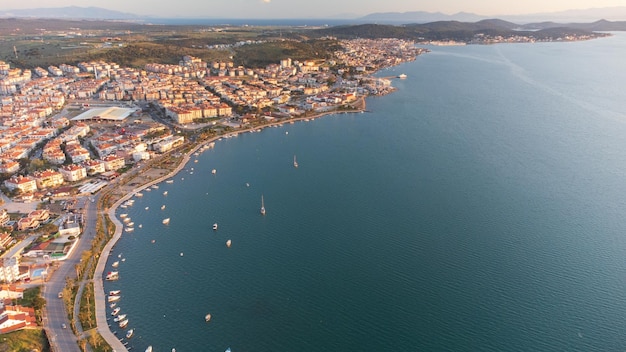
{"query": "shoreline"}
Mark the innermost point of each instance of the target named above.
(99, 293)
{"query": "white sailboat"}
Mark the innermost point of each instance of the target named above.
(295, 163)
(262, 206)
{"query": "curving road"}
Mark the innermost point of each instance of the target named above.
(63, 339)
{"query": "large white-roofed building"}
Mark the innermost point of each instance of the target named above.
(107, 113)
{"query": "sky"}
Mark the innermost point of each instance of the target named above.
(313, 8)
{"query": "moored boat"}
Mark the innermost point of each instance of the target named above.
(165, 193)
(113, 298)
(166, 221)
(123, 323)
(129, 333)
(114, 292)
(116, 310)
(262, 206)
(119, 318)
(112, 275)
(115, 264)
(207, 317)
(149, 349)
(213, 171)
(295, 163)
(228, 243)
(163, 207)
(129, 229)
(215, 226)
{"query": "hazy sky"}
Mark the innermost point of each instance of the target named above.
(314, 8)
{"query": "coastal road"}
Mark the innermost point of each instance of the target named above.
(63, 339)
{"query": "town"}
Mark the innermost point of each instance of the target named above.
(69, 131)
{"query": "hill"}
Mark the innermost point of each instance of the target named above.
(468, 31)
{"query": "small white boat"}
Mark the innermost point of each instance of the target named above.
(126, 220)
(119, 318)
(123, 206)
(115, 264)
(113, 298)
(130, 224)
(123, 215)
(215, 226)
(115, 292)
(213, 171)
(166, 221)
(228, 243)
(129, 333)
(155, 186)
(123, 323)
(228, 350)
(140, 226)
(129, 229)
(147, 190)
(116, 310)
(123, 259)
(139, 195)
(169, 181)
(295, 163)
(262, 206)
(195, 161)
(207, 317)
(165, 193)
(149, 349)
(147, 208)
(163, 207)
(402, 76)
(112, 275)
(112, 305)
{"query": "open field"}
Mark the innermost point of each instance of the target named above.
(28, 43)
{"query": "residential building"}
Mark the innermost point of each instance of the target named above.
(113, 162)
(73, 172)
(25, 184)
(48, 179)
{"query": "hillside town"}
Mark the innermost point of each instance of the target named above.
(67, 131)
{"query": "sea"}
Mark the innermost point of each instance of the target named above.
(480, 207)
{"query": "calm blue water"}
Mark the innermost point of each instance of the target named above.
(479, 208)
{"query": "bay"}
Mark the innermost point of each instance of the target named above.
(478, 208)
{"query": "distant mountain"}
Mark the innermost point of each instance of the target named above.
(588, 15)
(419, 17)
(71, 12)
(617, 13)
(601, 25)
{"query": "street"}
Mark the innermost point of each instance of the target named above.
(63, 339)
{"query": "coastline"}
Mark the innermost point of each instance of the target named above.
(99, 293)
